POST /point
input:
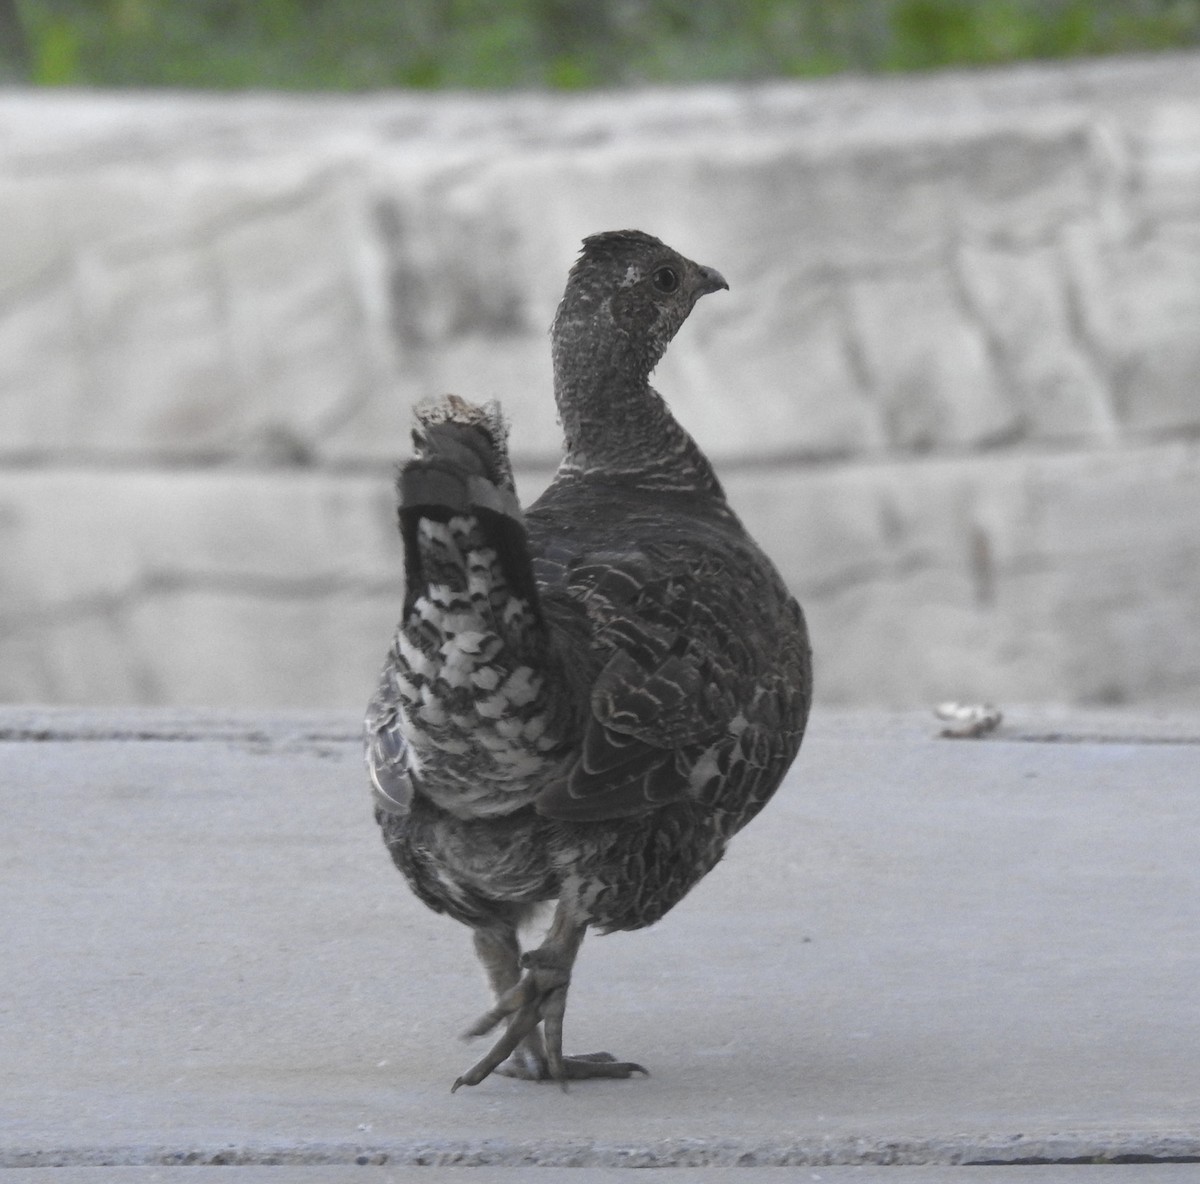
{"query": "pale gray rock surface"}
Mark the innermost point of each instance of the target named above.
(952, 386)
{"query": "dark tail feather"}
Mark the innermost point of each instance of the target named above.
(461, 469)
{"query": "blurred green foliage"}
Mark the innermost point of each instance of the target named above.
(565, 44)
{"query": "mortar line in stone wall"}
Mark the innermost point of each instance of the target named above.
(535, 466)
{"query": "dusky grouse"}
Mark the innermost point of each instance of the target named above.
(584, 702)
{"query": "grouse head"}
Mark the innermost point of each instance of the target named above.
(626, 297)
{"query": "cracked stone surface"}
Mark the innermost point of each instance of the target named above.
(952, 387)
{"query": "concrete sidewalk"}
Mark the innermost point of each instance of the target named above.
(926, 952)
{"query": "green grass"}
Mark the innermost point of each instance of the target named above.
(564, 44)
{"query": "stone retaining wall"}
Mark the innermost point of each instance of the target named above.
(953, 387)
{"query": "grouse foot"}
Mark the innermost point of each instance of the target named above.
(540, 997)
(523, 1066)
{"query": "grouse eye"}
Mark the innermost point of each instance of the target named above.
(666, 279)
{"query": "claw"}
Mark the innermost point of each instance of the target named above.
(521, 1024)
(575, 1068)
(539, 998)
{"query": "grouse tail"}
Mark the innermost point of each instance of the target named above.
(464, 701)
(460, 519)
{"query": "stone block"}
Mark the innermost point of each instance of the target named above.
(1119, 538)
(280, 278)
(1153, 308)
(1165, 152)
(239, 646)
(210, 314)
(85, 535)
(195, 587)
(1054, 376)
(1051, 577)
(805, 228)
(930, 365)
(1018, 579)
(1020, 182)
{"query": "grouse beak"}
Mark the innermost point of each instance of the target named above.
(711, 280)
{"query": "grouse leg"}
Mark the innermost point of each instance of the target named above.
(540, 997)
(500, 953)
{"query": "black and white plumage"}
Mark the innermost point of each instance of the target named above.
(584, 702)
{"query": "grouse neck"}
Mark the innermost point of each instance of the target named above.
(617, 425)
